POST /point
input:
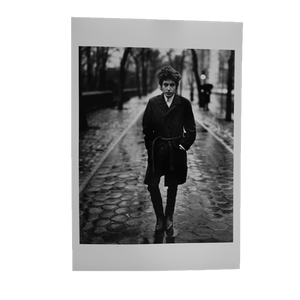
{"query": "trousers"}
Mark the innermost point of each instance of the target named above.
(158, 203)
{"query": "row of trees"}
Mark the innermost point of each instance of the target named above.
(136, 68)
(115, 69)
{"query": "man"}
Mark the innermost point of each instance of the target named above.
(169, 131)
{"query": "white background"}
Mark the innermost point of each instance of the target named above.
(155, 33)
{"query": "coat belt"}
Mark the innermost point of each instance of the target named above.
(171, 154)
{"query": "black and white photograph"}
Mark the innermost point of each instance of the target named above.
(156, 139)
(156, 142)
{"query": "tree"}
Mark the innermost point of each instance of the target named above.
(197, 77)
(122, 77)
(169, 55)
(102, 57)
(144, 70)
(83, 124)
(191, 85)
(229, 86)
(181, 68)
(136, 57)
(154, 65)
(88, 51)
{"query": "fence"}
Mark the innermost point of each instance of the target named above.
(103, 99)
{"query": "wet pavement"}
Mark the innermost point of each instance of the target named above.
(214, 119)
(115, 206)
(105, 126)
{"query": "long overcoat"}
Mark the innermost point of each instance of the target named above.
(165, 128)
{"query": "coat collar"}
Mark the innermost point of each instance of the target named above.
(162, 101)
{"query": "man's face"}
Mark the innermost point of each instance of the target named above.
(168, 87)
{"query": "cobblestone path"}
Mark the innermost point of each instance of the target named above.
(105, 126)
(115, 206)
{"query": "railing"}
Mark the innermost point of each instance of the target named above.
(103, 99)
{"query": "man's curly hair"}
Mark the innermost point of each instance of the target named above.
(166, 73)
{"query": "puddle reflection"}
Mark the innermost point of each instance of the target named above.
(165, 236)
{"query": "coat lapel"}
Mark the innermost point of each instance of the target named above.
(162, 102)
(175, 103)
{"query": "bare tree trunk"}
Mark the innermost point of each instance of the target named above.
(181, 69)
(83, 125)
(138, 79)
(122, 78)
(89, 69)
(144, 72)
(191, 84)
(102, 72)
(137, 76)
(229, 86)
(197, 77)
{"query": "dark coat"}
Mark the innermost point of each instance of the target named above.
(176, 121)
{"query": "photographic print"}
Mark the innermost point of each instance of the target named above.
(156, 140)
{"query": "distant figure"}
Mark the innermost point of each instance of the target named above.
(206, 94)
(201, 102)
(169, 131)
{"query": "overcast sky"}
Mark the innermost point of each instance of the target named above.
(115, 58)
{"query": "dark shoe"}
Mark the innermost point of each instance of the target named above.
(159, 224)
(169, 235)
(169, 222)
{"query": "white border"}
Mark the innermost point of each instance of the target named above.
(161, 34)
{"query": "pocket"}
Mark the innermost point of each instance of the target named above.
(181, 155)
(177, 143)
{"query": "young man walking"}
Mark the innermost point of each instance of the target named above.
(169, 131)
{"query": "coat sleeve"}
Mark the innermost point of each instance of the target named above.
(148, 128)
(189, 127)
